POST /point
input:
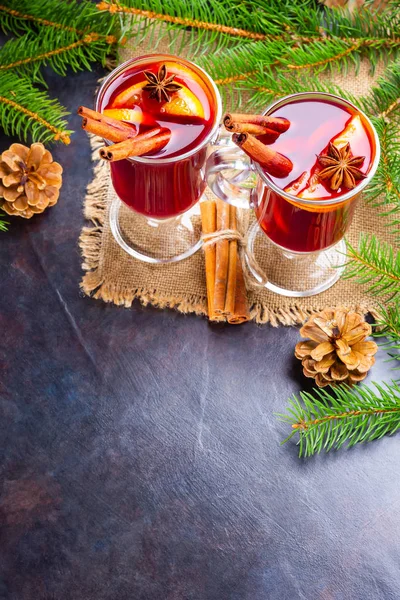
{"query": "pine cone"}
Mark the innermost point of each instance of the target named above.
(337, 350)
(30, 180)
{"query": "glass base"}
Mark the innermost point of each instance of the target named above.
(296, 274)
(156, 241)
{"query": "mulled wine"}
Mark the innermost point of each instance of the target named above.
(319, 177)
(177, 97)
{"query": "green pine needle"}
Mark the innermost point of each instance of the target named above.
(368, 22)
(230, 67)
(20, 16)
(59, 34)
(3, 224)
(254, 16)
(27, 54)
(330, 418)
(388, 326)
(375, 264)
(384, 97)
(294, 21)
(25, 111)
(387, 176)
(383, 191)
(333, 54)
(268, 84)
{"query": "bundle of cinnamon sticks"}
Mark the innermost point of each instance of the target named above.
(226, 288)
(253, 133)
(127, 142)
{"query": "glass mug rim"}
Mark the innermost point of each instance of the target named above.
(321, 202)
(145, 59)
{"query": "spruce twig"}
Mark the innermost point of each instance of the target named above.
(384, 99)
(384, 189)
(388, 326)
(67, 34)
(80, 18)
(330, 418)
(25, 109)
(3, 224)
(27, 54)
(303, 21)
(375, 264)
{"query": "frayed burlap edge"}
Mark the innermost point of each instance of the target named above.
(95, 285)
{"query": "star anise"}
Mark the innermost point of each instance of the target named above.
(160, 86)
(341, 168)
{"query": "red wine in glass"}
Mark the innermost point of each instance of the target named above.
(313, 124)
(169, 182)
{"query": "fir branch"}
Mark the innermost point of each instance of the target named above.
(18, 16)
(28, 53)
(240, 64)
(268, 84)
(8, 23)
(388, 326)
(251, 20)
(394, 106)
(296, 22)
(337, 54)
(115, 7)
(25, 109)
(366, 23)
(321, 55)
(233, 64)
(330, 418)
(384, 97)
(3, 224)
(303, 20)
(67, 34)
(245, 62)
(384, 189)
(375, 264)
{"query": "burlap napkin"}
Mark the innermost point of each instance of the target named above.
(114, 276)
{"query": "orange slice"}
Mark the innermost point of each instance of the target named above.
(183, 71)
(129, 97)
(297, 184)
(183, 103)
(137, 117)
(354, 128)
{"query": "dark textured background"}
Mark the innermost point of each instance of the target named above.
(140, 456)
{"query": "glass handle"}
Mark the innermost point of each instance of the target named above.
(230, 176)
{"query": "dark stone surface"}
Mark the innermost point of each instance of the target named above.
(140, 455)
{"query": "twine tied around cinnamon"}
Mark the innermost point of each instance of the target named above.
(247, 258)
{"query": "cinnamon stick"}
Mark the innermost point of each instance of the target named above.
(236, 306)
(144, 143)
(269, 135)
(221, 259)
(88, 113)
(106, 131)
(241, 313)
(208, 212)
(273, 162)
(279, 124)
(233, 256)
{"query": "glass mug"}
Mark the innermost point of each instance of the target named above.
(295, 247)
(152, 215)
